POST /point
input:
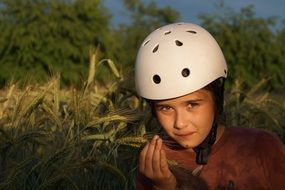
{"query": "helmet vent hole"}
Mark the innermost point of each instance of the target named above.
(155, 49)
(156, 79)
(192, 31)
(167, 32)
(178, 43)
(185, 72)
(146, 42)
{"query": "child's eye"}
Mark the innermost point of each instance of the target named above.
(164, 108)
(192, 104)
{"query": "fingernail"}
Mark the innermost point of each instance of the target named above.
(159, 140)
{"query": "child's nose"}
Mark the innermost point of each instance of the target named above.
(180, 120)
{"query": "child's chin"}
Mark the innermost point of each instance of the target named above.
(187, 145)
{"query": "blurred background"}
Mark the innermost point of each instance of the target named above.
(43, 37)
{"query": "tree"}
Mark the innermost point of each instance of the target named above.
(144, 18)
(250, 45)
(43, 36)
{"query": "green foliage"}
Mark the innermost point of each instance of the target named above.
(39, 37)
(251, 47)
(42, 37)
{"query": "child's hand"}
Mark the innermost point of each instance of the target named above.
(153, 164)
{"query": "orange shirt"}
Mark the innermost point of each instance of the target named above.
(243, 158)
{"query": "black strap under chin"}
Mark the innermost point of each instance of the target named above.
(204, 149)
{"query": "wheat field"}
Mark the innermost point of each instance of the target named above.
(89, 138)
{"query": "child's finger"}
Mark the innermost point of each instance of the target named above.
(142, 158)
(163, 163)
(156, 157)
(149, 155)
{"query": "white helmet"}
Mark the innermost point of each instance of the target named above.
(177, 59)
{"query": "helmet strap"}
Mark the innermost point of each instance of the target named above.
(203, 150)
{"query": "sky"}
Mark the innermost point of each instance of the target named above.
(190, 9)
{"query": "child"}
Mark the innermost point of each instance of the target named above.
(180, 70)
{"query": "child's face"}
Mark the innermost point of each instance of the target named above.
(187, 119)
